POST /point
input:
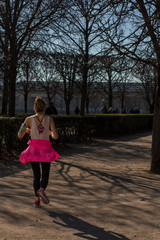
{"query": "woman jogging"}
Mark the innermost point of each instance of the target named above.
(40, 153)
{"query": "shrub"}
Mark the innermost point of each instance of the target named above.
(76, 128)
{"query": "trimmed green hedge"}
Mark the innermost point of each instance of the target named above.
(76, 128)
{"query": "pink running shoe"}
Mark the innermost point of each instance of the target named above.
(36, 203)
(43, 196)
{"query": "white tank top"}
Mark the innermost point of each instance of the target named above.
(40, 132)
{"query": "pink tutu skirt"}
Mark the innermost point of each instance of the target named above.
(39, 151)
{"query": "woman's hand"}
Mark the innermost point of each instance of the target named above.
(28, 130)
(51, 133)
(54, 136)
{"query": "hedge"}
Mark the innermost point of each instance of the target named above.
(77, 128)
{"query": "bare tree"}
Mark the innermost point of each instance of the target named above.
(21, 23)
(148, 77)
(92, 87)
(123, 78)
(80, 32)
(26, 76)
(66, 67)
(46, 77)
(136, 34)
(122, 87)
(108, 77)
(92, 81)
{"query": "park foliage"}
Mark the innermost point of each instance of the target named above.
(77, 129)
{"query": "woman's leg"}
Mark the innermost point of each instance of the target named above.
(37, 174)
(45, 174)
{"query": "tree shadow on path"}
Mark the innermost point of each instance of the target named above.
(85, 229)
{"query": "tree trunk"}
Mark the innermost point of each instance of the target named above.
(6, 70)
(48, 96)
(12, 96)
(110, 97)
(25, 101)
(155, 164)
(151, 108)
(87, 105)
(122, 102)
(85, 69)
(67, 107)
(5, 94)
(26, 86)
(12, 88)
(84, 91)
(110, 88)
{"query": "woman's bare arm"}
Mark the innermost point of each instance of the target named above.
(53, 131)
(24, 128)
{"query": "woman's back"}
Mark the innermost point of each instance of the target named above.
(39, 127)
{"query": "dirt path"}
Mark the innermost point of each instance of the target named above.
(100, 190)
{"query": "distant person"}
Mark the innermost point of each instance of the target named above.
(110, 110)
(54, 110)
(40, 153)
(124, 110)
(116, 110)
(51, 110)
(104, 109)
(77, 111)
(136, 110)
(131, 110)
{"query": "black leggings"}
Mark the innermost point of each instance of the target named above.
(38, 182)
